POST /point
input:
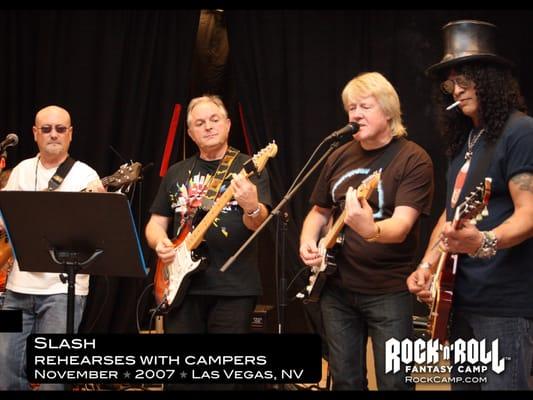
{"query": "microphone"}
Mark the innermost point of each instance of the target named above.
(348, 130)
(11, 140)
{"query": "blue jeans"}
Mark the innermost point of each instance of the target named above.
(515, 340)
(349, 318)
(40, 314)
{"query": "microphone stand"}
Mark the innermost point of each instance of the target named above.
(284, 219)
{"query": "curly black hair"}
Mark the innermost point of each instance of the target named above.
(498, 94)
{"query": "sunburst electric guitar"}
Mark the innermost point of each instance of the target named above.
(329, 245)
(444, 278)
(172, 280)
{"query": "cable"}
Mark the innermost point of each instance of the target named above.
(138, 306)
(296, 276)
(103, 304)
(154, 313)
(305, 166)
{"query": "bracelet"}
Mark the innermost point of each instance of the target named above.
(255, 212)
(424, 265)
(376, 236)
(487, 249)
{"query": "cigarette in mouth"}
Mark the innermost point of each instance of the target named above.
(453, 105)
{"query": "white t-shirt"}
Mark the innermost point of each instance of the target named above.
(31, 175)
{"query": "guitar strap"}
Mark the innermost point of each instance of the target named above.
(390, 152)
(61, 172)
(384, 160)
(220, 175)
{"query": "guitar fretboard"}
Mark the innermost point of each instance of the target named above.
(197, 235)
(364, 190)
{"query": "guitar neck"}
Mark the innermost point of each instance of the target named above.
(197, 235)
(441, 263)
(333, 233)
(440, 266)
(105, 181)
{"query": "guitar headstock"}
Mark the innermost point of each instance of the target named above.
(475, 202)
(369, 184)
(126, 174)
(260, 159)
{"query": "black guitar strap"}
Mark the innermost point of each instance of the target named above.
(382, 162)
(388, 155)
(390, 152)
(61, 172)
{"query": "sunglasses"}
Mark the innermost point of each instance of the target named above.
(58, 128)
(448, 86)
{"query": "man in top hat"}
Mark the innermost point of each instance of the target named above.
(482, 119)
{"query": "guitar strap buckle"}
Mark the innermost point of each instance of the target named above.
(60, 174)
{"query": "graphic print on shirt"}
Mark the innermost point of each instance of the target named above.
(360, 171)
(188, 197)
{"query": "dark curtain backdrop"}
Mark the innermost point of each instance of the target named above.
(119, 73)
(291, 66)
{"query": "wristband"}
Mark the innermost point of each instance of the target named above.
(255, 212)
(424, 265)
(488, 246)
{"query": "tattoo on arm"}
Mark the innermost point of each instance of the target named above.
(524, 181)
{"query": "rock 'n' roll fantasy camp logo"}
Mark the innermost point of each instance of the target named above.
(467, 356)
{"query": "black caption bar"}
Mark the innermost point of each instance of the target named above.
(249, 358)
(10, 320)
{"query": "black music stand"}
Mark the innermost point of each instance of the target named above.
(72, 233)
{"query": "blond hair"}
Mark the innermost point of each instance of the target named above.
(375, 84)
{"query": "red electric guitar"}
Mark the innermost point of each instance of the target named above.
(444, 278)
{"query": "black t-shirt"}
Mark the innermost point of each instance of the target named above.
(180, 195)
(376, 268)
(503, 284)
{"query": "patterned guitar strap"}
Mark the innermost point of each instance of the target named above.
(216, 181)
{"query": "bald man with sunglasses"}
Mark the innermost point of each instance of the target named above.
(42, 296)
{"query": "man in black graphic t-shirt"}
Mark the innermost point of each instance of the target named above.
(366, 295)
(215, 302)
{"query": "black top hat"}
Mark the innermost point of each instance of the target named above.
(467, 40)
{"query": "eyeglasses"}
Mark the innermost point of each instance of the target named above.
(448, 86)
(58, 128)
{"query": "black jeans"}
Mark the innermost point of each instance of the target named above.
(210, 314)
